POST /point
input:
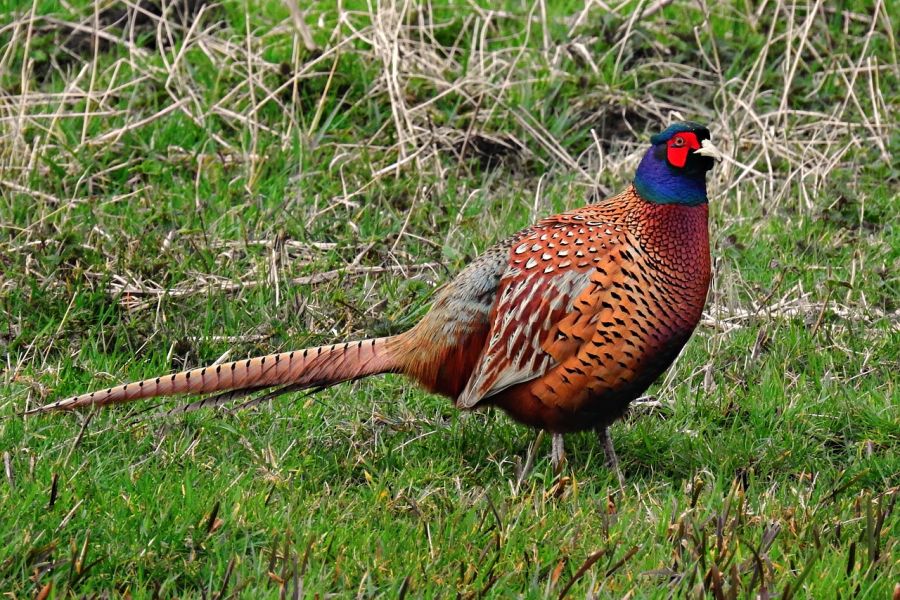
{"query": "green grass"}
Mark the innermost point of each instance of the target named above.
(163, 192)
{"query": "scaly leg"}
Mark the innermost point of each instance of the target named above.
(558, 453)
(612, 461)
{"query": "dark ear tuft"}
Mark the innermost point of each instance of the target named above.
(680, 127)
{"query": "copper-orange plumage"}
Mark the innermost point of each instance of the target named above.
(561, 325)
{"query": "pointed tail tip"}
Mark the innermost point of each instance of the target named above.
(59, 405)
(39, 410)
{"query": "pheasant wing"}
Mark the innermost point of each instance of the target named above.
(547, 300)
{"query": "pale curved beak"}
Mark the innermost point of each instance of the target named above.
(707, 148)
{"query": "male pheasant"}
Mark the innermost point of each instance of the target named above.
(561, 325)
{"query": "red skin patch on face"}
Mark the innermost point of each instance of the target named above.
(678, 146)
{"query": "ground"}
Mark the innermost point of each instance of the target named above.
(204, 180)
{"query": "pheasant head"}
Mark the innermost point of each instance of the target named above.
(673, 171)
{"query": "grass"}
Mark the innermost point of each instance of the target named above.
(171, 188)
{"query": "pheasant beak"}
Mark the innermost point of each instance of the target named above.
(709, 149)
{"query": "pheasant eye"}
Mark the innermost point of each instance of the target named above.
(678, 149)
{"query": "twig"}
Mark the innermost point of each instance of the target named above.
(587, 564)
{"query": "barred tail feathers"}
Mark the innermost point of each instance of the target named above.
(312, 367)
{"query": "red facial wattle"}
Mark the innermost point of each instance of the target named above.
(679, 145)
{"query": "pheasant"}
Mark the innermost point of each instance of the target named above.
(561, 325)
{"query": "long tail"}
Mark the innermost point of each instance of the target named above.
(310, 368)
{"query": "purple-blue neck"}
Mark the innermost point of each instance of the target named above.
(657, 181)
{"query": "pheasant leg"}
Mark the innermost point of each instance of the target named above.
(612, 461)
(557, 453)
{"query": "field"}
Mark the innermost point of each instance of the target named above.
(201, 181)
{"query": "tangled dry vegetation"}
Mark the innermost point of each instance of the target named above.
(186, 181)
(455, 89)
